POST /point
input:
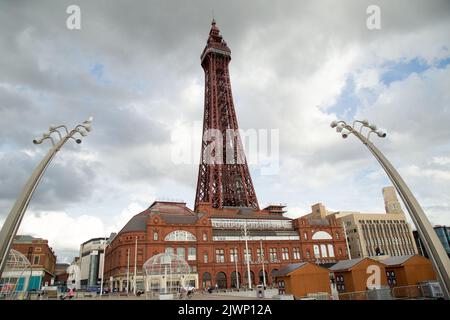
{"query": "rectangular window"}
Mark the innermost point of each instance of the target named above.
(181, 252)
(316, 251)
(285, 253)
(155, 236)
(36, 260)
(273, 254)
(170, 250)
(205, 258)
(323, 249)
(38, 249)
(296, 252)
(192, 254)
(220, 256)
(233, 255)
(305, 235)
(331, 250)
(260, 254)
(248, 255)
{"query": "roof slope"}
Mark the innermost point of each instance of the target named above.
(346, 264)
(289, 268)
(397, 260)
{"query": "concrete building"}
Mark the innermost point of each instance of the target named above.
(91, 261)
(41, 257)
(374, 234)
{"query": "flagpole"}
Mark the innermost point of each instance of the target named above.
(128, 269)
(246, 257)
(262, 256)
(135, 266)
(237, 273)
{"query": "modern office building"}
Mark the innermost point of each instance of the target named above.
(91, 261)
(443, 233)
(374, 234)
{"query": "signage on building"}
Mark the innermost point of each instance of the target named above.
(251, 224)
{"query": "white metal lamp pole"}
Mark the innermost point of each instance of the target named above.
(235, 262)
(246, 256)
(128, 271)
(103, 268)
(262, 258)
(135, 266)
(12, 222)
(433, 246)
(346, 241)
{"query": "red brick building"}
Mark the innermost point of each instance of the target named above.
(42, 259)
(211, 239)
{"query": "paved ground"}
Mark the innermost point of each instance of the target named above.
(197, 296)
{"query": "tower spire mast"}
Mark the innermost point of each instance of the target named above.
(224, 178)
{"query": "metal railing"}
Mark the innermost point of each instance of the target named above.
(424, 291)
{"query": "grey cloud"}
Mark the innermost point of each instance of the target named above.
(150, 53)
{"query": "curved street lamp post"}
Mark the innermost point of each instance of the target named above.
(12, 222)
(433, 246)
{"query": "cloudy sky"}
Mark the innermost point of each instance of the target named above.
(296, 66)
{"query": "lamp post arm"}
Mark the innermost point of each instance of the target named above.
(12, 222)
(439, 258)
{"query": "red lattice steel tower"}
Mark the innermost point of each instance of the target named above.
(223, 177)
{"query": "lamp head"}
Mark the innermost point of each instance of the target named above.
(78, 141)
(365, 122)
(339, 127)
(35, 141)
(88, 127)
(345, 134)
(333, 124)
(83, 133)
(381, 134)
(373, 127)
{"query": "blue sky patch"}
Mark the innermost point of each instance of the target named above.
(97, 71)
(346, 104)
(400, 71)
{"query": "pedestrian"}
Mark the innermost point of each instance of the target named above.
(71, 293)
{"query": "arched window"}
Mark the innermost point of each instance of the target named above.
(155, 235)
(322, 235)
(206, 280)
(308, 254)
(235, 281)
(180, 235)
(205, 237)
(221, 280)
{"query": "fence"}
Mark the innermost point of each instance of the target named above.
(424, 291)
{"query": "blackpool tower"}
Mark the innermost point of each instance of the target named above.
(223, 178)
